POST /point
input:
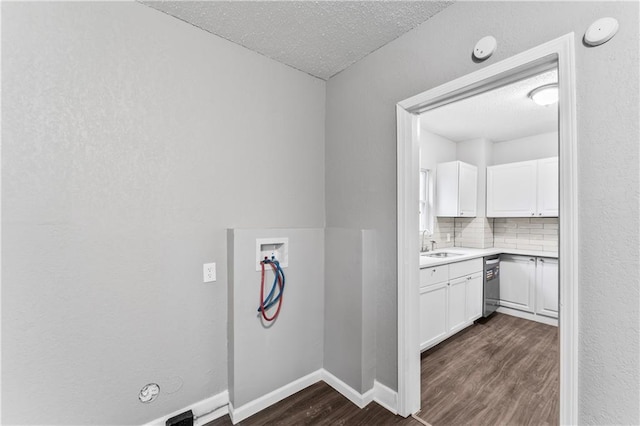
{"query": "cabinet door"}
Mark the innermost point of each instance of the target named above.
(467, 190)
(433, 314)
(456, 189)
(511, 189)
(517, 282)
(547, 289)
(548, 187)
(447, 189)
(457, 304)
(474, 297)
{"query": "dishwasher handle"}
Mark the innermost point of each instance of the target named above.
(492, 262)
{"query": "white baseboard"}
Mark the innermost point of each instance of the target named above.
(528, 315)
(380, 393)
(199, 409)
(361, 400)
(251, 408)
(385, 396)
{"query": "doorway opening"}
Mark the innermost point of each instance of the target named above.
(558, 56)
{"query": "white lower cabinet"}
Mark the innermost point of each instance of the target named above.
(529, 284)
(475, 301)
(457, 304)
(547, 288)
(517, 282)
(434, 306)
(451, 305)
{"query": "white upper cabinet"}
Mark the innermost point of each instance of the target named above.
(548, 187)
(456, 189)
(511, 189)
(523, 189)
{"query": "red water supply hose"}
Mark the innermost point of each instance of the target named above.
(262, 306)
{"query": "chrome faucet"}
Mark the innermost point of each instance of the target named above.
(422, 247)
(433, 245)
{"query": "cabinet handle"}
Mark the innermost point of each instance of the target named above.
(461, 213)
(533, 214)
(532, 260)
(541, 260)
(433, 270)
(539, 214)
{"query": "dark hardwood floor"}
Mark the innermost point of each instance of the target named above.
(500, 371)
(319, 404)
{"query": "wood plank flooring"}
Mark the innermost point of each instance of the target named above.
(319, 404)
(500, 371)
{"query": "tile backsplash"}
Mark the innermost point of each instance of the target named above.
(480, 232)
(474, 232)
(442, 227)
(526, 233)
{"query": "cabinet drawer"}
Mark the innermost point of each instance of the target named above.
(467, 267)
(433, 275)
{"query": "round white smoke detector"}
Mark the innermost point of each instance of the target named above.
(148, 393)
(601, 31)
(485, 47)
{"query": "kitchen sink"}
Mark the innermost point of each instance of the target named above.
(442, 254)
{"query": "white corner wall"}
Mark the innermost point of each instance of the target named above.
(534, 147)
(435, 149)
(349, 311)
(130, 142)
(361, 158)
(266, 356)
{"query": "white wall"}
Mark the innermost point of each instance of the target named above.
(435, 149)
(534, 147)
(361, 170)
(130, 142)
(350, 314)
(267, 356)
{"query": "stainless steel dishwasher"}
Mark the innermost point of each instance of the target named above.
(491, 285)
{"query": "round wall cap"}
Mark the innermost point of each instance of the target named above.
(148, 393)
(485, 47)
(601, 31)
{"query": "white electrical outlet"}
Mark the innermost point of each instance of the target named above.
(209, 272)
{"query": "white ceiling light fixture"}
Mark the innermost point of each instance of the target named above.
(545, 95)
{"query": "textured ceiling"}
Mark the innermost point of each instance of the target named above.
(320, 38)
(502, 114)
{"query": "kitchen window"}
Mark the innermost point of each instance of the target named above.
(426, 201)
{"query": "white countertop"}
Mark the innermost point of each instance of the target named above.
(470, 253)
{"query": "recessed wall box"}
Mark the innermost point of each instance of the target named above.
(272, 247)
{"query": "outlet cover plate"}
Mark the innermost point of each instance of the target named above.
(209, 272)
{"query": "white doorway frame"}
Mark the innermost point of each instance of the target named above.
(561, 52)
